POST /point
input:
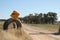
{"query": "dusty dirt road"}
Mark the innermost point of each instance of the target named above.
(34, 32)
(13, 34)
(39, 34)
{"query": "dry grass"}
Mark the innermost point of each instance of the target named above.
(49, 27)
(13, 34)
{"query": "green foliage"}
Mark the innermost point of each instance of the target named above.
(41, 18)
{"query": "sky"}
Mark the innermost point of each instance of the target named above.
(26, 7)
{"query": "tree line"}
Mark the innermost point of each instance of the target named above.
(42, 18)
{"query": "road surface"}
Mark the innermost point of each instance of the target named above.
(13, 34)
(39, 34)
(27, 31)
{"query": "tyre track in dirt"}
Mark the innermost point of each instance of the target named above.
(39, 34)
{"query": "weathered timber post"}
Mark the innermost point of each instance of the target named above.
(59, 29)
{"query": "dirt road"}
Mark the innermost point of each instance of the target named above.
(39, 34)
(13, 34)
(34, 32)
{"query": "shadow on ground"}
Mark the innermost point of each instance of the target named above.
(56, 33)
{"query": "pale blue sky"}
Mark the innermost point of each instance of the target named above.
(25, 7)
